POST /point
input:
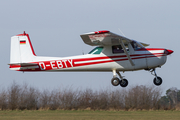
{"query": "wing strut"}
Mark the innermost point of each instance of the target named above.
(124, 48)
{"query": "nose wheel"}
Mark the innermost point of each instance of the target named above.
(115, 81)
(157, 80)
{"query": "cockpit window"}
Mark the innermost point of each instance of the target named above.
(96, 50)
(136, 45)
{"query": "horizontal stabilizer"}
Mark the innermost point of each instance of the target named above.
(24, 64)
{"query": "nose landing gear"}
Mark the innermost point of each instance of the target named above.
(157, 80)
(115, 81)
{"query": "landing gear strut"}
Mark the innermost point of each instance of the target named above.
(115, 81)
(157, 80)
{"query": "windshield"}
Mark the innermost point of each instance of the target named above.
(96, 50)
(136, 45)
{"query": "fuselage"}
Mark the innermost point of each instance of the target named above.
(143, 58)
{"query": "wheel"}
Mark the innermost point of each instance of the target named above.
(123, 83)
(115, 81)
(157, 81)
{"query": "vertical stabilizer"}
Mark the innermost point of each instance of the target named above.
(21, 49)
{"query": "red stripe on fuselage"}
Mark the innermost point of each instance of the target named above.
(111, 57)
(150, 49)
(100, 62)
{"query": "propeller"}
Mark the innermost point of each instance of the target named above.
(168, 52)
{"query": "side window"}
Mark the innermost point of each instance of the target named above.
(96, 50)
(117, 49)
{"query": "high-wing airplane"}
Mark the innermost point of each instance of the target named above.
(112, 53)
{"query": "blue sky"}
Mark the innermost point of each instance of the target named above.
(55, 27)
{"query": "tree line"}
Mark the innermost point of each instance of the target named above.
(24, 97)
(171, 100)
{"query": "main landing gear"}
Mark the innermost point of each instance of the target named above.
(157, 80)
(115, 81)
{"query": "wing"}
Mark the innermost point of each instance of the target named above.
(101, 38)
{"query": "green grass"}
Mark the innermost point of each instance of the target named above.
(89, 115)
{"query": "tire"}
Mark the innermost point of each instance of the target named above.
(157, 81)
(123, 83)
(115, 81)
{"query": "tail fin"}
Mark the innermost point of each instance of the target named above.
(21, 49)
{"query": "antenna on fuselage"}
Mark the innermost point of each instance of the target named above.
(83, 52)
(82, 49)
(121, 32)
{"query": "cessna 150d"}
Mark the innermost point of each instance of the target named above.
(113, 53)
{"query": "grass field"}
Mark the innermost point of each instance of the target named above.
(89, 115)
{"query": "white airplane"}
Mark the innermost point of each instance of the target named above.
(113, 53)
